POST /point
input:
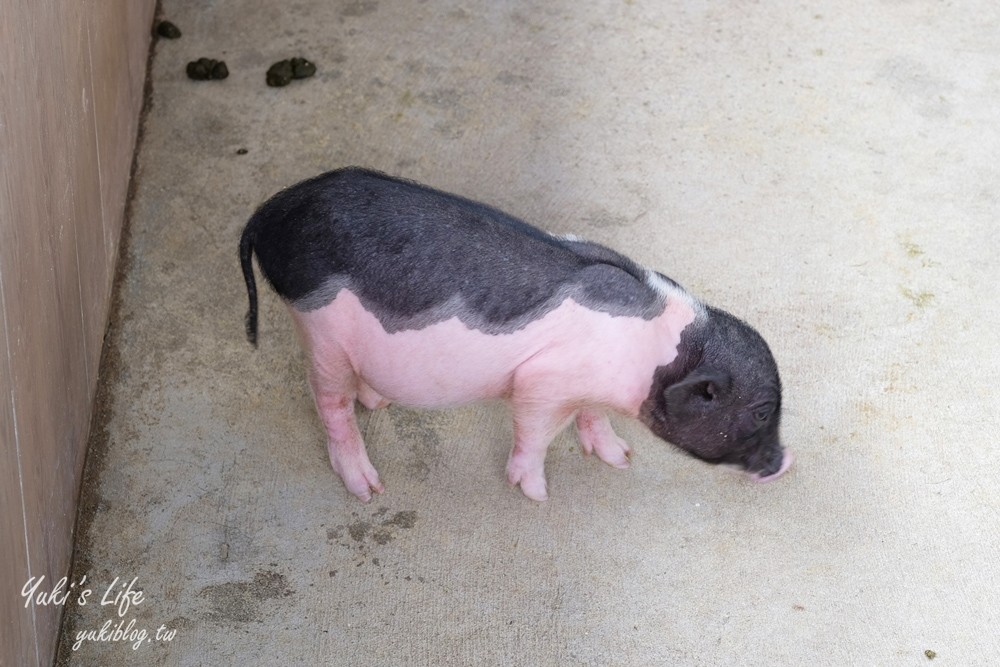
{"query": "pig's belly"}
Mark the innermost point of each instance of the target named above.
(440, 365)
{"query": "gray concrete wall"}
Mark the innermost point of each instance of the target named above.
(71, 76)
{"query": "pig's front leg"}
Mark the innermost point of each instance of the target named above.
(334, 390)
(596, 435)
(534, 428)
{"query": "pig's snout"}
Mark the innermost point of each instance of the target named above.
(767, 475)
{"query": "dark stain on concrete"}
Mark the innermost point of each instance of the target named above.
(416, 430)
(405, 519)
(385, 534)
(357, 8)
(602, 217)
(442, 98)
(241, 601)
(511, 79)
(358, 530)
(921, 299)
(362, 532)
(911, 249)
(917, 85)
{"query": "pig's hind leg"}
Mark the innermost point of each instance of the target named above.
(334, 386)
(596, 435)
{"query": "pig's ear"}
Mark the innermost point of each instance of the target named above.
(699, 392)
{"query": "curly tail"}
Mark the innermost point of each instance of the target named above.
(246, 261)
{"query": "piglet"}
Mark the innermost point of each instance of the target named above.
(402, 293)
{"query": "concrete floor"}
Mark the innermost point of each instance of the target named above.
(827, 172)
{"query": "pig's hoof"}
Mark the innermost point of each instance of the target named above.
(614, 451)
(363, 490)
(609, 448)
(535, 489)
(596, 435)
(532, 483)
(361, 480)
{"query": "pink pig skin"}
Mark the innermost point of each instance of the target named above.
(573, 361)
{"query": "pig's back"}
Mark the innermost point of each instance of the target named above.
(415, 256)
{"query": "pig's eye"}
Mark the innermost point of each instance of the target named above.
(761, 415)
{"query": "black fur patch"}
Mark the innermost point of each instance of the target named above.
(415, 256)
(720, 399)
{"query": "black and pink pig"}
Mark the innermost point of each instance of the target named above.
(401, 293)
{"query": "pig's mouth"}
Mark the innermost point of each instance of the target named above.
(773, 472)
